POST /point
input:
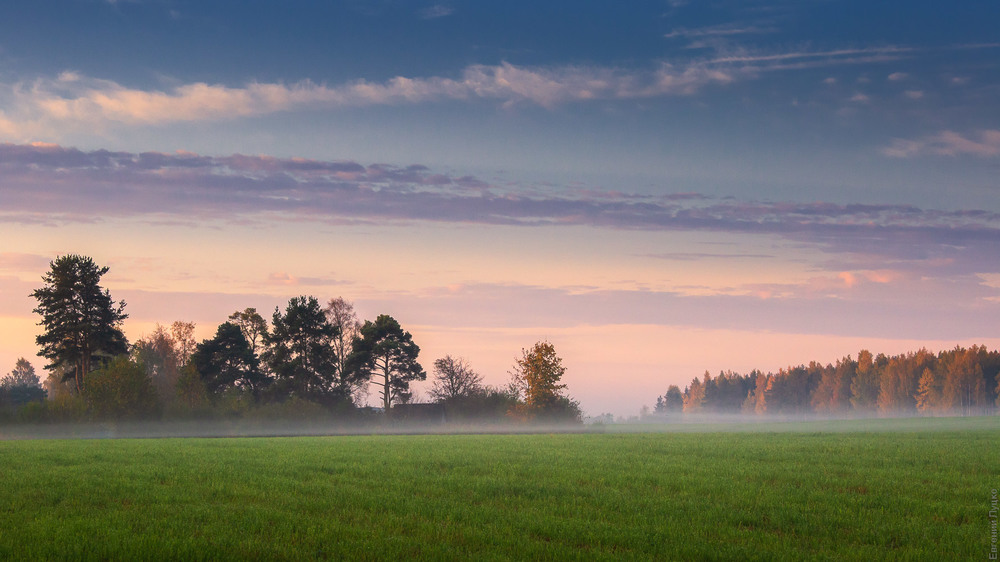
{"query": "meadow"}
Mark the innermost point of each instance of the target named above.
(912, 489)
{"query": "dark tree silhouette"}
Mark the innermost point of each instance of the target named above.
(82, 323)
(454, 378)
(300, 353)
(227, 361)
(386, 352)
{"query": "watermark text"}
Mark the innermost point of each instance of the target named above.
(994, 511)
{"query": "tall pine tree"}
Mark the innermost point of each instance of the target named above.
(82, 323)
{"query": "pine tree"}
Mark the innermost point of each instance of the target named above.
(82, 323)
(384, 350)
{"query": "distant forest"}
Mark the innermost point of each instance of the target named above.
(959, 381)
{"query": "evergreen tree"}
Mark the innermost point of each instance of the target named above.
(386, 352)
(224, 362)
(671, 402)
(82, 323)
(253, 326)
(21, 385)
(300, 353)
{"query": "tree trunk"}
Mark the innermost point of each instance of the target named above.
(386, 390)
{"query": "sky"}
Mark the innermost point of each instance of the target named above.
(658, 188)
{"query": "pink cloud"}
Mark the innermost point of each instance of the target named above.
(73, 99)
(984, 144)
(53, 184)
(15, 261)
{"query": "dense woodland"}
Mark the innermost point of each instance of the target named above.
(959, 381)
(310, 361)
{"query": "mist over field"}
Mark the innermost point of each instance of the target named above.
(857, 489)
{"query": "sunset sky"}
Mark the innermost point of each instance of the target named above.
(656, 187)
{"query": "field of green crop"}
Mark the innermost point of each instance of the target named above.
(917, 490)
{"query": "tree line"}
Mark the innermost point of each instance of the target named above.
(310, 359)
(964, 381)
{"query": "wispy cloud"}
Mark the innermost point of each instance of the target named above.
(46, 106)
(812, 59)
(72, 98)
(897, 309)
(984, 144)
(56, 184)
(16, 261)
(289, 280)
(698, 256)
(718, 31)
(436, 11)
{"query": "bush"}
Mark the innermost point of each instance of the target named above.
(488, 405)
(121, 391)
(65, 408)
(293, 409)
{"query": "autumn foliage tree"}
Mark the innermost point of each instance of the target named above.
(536, 377)
(957, 381)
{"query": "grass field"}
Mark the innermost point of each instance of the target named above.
(912, 489)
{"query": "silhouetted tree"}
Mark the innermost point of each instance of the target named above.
(21, 385)
(223, 363)
(671, 402)
(22, 375)
(727, 392)
(487, 404)
(300, 353)
(386, 352)
(454, 378)
(82, 323)
(253, 326)
(340, 313)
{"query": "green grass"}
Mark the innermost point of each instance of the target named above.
(917, 490)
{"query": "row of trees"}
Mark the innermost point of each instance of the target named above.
(309, 357)
(958, 381)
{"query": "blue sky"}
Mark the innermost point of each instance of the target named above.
(810, 94)
(821, 170)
